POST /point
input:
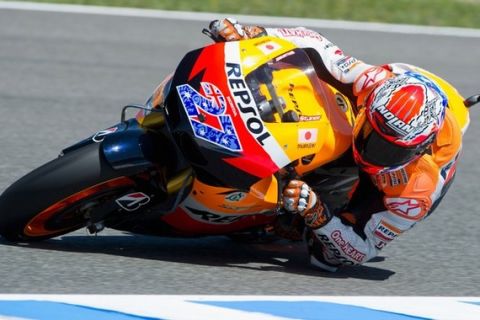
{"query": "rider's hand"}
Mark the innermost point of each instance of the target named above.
(228, 29)
(299, 198)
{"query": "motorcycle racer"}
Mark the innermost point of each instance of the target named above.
(406, 142)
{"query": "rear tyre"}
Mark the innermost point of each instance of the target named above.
(58, 197)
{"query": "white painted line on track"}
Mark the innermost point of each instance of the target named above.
(264, 20)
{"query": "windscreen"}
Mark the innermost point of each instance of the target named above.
(284, 88)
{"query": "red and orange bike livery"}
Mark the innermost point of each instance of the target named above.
(208, 154)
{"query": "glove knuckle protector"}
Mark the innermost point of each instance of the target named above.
(298, 197)
(228, 29)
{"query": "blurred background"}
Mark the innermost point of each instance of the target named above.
(457, 13)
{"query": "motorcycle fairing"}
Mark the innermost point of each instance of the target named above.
(209, 94)
(264, 149)
(225, 136)
(216, 210)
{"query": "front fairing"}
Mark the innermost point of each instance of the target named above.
(240, 111)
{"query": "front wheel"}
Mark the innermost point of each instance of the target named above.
(60, 196)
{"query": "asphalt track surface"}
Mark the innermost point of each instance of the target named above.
(66, 76)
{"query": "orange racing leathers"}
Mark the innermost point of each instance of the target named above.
(383, 206)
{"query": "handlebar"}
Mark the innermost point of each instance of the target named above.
(472, 100)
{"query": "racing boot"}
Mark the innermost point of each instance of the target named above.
(320, 256)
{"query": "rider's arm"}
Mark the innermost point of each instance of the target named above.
(346, 73)
(330, 62)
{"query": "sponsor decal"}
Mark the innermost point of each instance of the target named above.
(283, 56)
(100, 136)
(133, 201)
(330, 246)
(380, 180)
(385, 231)
(379, 244)
(404, 175)
(253, 128)
(398, 177)
(292, 98)
(341, 102)
(307, 135)
(310, 118)
(307, 138)
(269, 47)
(235, 196)
(382, 99)
(369, 78)
(346, 63)
(213, 104)
(214, 218)
(383, 179)
(393, 121)
(406, 207)
(431, 113)
(246, 103)
(346, 247)
(306, 145)
(394, 181)
(300, 32)
(236, 208)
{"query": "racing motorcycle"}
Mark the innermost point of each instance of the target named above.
(207, 154)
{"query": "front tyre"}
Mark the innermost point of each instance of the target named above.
(60, 196)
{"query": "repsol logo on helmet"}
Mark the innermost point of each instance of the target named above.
(246, 104)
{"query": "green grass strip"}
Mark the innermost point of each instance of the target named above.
(459, 13)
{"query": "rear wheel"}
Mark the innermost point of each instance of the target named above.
(60, 196)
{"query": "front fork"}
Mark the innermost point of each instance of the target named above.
(144, 151)
(150, 194)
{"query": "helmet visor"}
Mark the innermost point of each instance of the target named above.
(378, 151)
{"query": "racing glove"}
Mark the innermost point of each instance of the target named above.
(228, 29)
(299, 198)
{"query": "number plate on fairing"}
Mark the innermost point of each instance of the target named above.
(207, 115)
